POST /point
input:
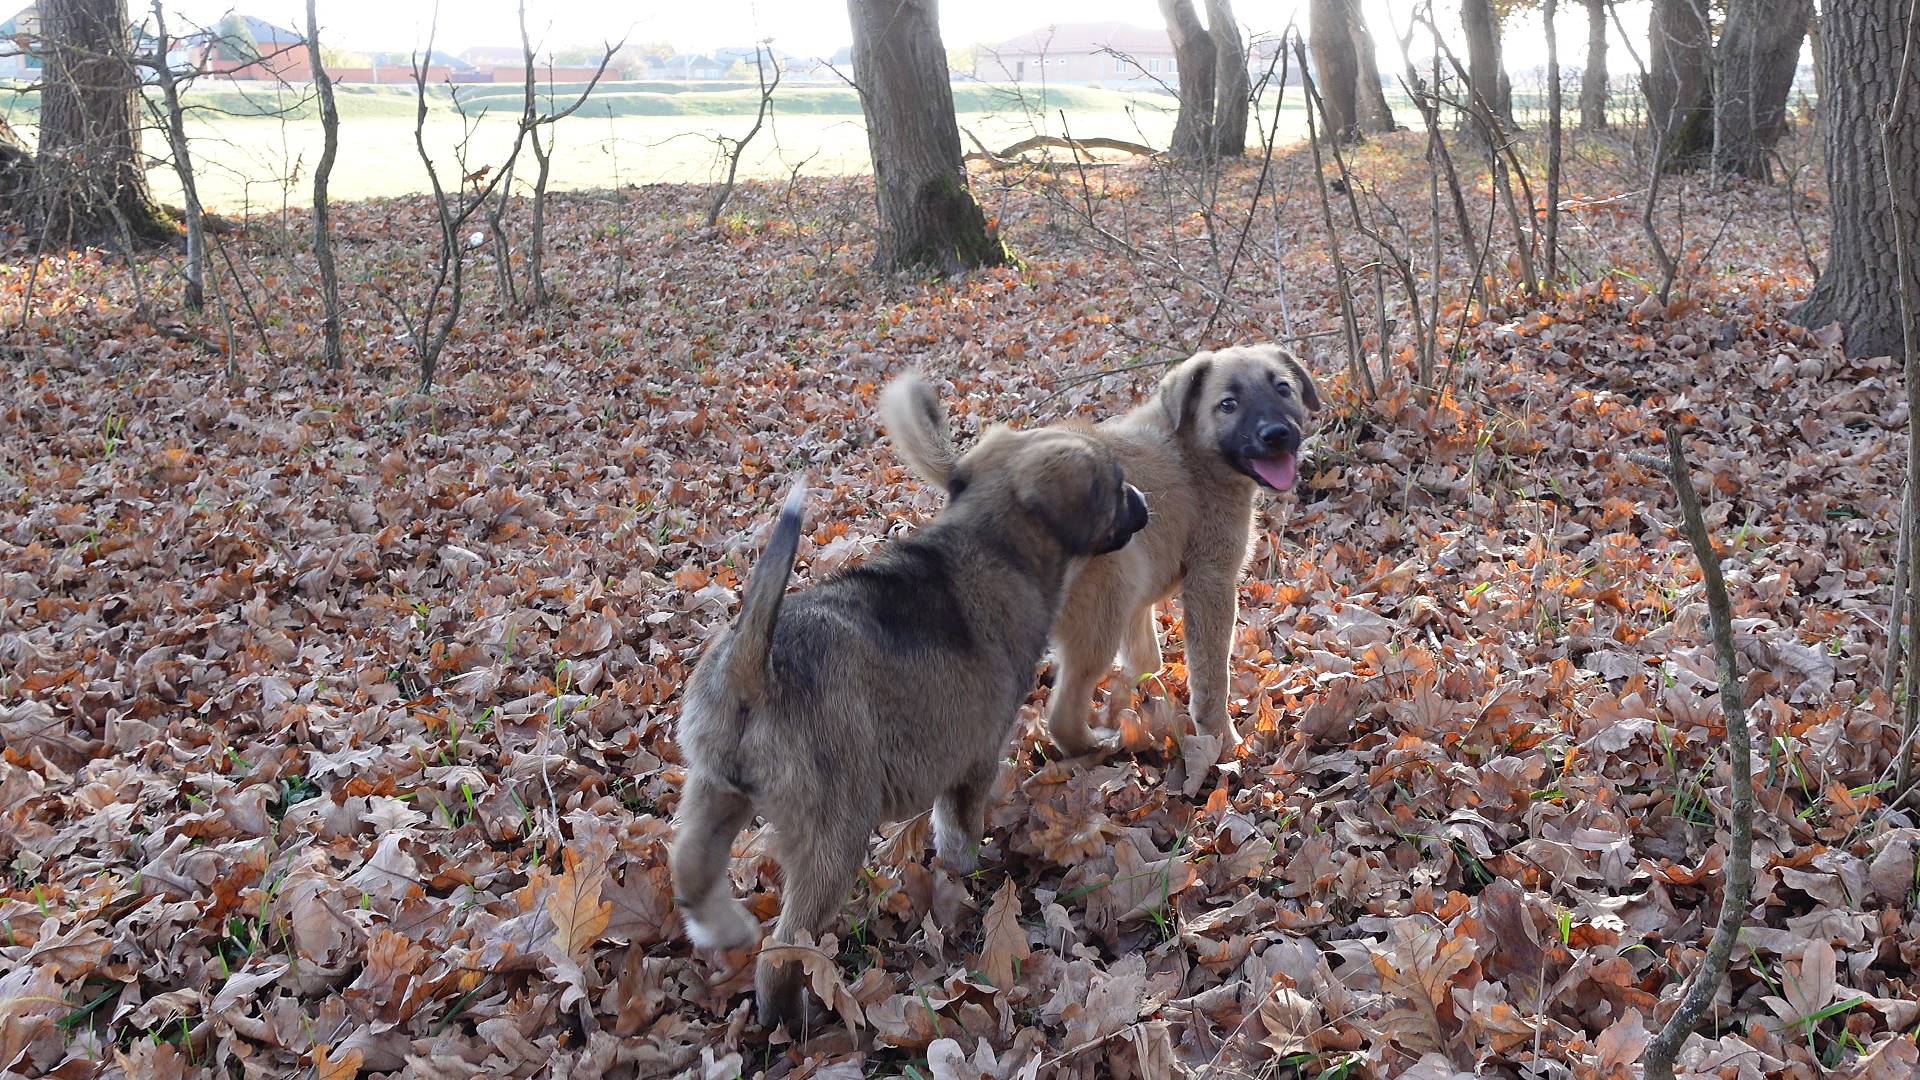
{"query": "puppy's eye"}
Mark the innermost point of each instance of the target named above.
(1227, 405)
(955, 485)
(1283, 388)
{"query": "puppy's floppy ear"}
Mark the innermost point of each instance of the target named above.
(1062, 482)
(1180, 390)
(1309, 394)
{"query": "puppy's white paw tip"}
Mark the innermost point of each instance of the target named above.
(733, 929)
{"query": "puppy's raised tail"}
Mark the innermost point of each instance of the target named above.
(911, 413)
(753, 630)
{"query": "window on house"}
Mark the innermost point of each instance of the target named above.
(1119, 66)
(1153, 65)
(1173, 64)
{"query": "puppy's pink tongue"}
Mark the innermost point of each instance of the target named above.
(1280, 471)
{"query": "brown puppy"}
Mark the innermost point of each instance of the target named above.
(885, 689)
(1223, 424)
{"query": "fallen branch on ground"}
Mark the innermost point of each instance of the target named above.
(1010, 156)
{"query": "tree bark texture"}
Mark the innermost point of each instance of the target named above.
(1860, 287)
(1374, 116)
(928, 217)
(89, 175)
(1680, 82)
(1193, 51)
(1486, 76)
(1759, 50)
(1231, 85)
(1336, 67)
(1593, 81)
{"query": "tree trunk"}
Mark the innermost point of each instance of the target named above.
(1193, 52)
(1759, 50)
(1335, 66)
(89, 173)
(322, 229)
(1680, 84)
(1231, 86)
(1860, 287)
(927, 213)
(1486, 76)
(1370, 96)
(1593, 81)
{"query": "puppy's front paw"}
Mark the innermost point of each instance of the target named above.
(958, 851)
(721, 923)
(1087, 742)
(1229, 737)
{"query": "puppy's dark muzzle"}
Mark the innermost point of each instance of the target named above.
(1132, 518)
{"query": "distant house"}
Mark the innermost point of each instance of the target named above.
(241, 47)
(495, 56)
(19, 43)
(691, 66)
(829, 69)
(735, 62)
(1082, 52)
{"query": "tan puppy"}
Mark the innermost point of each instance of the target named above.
(886, 689)
(1223, 424)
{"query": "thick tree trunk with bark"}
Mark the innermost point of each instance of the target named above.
(1231, 86)
(927, 214)
(1759, 50)
(89, 178)
(1335, 66)
(1370, 96)
(1193, 52)
(1860, 287)
(1593, 81)
(1486, 76)
(1680, 82)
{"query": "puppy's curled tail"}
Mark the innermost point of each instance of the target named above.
(913, 416)
(753, 630)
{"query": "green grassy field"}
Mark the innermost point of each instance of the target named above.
(255, 149)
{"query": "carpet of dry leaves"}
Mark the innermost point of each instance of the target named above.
(337, 719)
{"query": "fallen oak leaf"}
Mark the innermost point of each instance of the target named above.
(579, 915)
(579, 918)
(1005, 946)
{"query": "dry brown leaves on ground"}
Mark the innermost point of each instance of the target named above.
(337, 720)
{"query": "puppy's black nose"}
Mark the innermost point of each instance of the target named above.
(1278, 436)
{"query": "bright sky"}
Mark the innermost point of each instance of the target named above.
(810, 27)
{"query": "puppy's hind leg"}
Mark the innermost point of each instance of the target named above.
(960, 817)
(819, 853)
(709, 818)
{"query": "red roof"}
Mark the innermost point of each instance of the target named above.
(1087, 37)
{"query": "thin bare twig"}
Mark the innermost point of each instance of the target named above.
(1738, 889)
